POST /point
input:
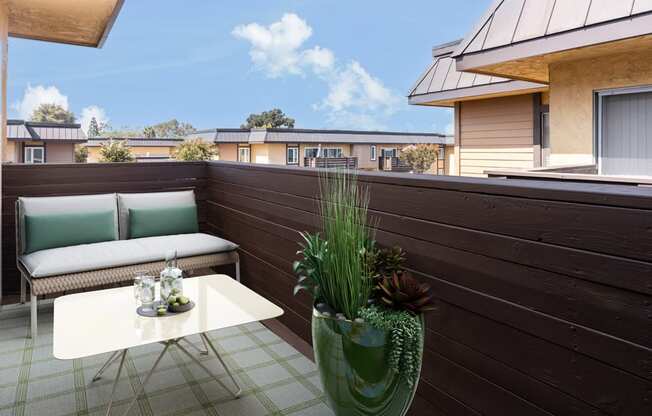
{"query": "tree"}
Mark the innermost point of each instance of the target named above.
(81, 154)
(171, 128)
(268, 119)
(419, 157)
(115, 151)
(149, 132)
(53, 113)
(93, 128)
(195, 149)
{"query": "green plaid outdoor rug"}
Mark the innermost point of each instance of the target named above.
(276, 379)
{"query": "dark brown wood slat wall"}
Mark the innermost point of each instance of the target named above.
(79, 179)
(544, 289)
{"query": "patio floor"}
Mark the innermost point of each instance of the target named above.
(276, 378)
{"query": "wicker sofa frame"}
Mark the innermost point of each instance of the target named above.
(60, 284)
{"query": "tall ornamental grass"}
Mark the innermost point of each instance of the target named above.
(348, 265)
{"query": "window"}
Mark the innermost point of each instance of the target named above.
(623, 133)
(332, 152)
(293, 155)
(34, 154)
(388, 152)
(325, 152)
(311, 152)
(244, 154)
(372, 151)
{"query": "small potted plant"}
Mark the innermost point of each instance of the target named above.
(367, 323)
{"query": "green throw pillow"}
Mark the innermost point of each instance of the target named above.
(63, 230)
(150, 222)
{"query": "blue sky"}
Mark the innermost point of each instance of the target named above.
(328, 64)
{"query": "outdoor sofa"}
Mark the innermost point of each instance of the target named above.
(78, 242)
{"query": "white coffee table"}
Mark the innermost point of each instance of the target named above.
(102, 321)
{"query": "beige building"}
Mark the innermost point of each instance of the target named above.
(144, 149)
(37, 142)
(560, 85)
(368, 150)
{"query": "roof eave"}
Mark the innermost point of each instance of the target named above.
(481, 62)
(448, 98)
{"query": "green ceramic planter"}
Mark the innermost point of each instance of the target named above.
(352, 362)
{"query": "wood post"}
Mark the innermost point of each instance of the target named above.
(4, 46)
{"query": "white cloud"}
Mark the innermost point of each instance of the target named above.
(35, 96)
(87, 115)
(275, 48)
(355, 98)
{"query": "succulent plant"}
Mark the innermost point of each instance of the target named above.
(390, 261)
(404, 292)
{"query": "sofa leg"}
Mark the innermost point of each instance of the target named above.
(237, 270)
(23, 288)
(34, 315)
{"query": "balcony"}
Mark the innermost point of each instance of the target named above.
(331, 162)
(542, 291)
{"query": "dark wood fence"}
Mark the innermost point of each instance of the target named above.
(543, 289)
(91, 178)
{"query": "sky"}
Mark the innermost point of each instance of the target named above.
(328, 64)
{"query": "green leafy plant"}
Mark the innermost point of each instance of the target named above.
(390, 261)
(115, 151)
(81, 154)
(337, 265)
(405, 339)
(195, 149)
(420, 157)
(404, 292)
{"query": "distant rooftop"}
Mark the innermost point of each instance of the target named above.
(137, 141)
(20, 130)
(286, 135)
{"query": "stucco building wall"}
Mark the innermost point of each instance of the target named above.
(228, 151)
(60, 153)
(572, 89)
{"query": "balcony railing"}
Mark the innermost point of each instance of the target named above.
(394, 164)
(331, 162)
(539, 285)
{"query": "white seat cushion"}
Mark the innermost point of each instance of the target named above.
(97, 256)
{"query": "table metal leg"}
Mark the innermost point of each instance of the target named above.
(149, 375)
(196, 348)
(208, 371)
(106, 365)
(212, 347)
(115, 382)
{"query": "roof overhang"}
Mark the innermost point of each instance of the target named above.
(76, 22)
(501, 89)
(529, 60)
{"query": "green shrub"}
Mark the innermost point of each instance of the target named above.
(195, 149)
(115, 151)
(81, 154)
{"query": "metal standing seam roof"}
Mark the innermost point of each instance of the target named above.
(442, 83)
(38, 131)
(285, 135)
(137, 141)
(510, 22)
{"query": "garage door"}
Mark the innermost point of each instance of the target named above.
(626, 147)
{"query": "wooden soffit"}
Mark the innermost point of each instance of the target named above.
(76, 22)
